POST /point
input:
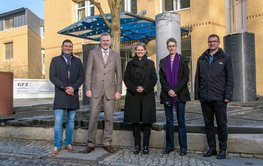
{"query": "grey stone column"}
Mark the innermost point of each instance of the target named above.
(241, 48)
(240, 45)
(167, 26)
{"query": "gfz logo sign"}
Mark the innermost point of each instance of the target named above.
(33, 88)
(22, 84)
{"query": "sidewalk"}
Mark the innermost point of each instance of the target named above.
(33, 122)
(35, 153)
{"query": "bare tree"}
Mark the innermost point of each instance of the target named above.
(114, 26)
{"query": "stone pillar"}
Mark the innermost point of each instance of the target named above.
(240, 45)
(167, 26)
(241, 48)
(6, 97)
(86, 49)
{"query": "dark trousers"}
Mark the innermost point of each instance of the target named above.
(215, 109)
(137, 128)
(181, 126)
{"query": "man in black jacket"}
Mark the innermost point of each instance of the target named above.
(67, 74)
(214, 89)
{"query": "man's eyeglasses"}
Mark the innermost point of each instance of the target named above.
(212, 41)
(169, 46)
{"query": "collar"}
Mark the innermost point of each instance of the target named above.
(103, 50)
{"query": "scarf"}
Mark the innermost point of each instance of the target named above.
(68, 63)
(139, 71)
(171, 72)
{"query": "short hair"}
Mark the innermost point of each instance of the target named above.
(171, 40)
(213, 35)
(140, 44)
(105, 34)
(66, 41)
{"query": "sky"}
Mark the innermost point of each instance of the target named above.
(36, 6)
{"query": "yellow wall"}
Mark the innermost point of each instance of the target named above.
(34, 55)
(26, 52)
(19, 63)
(147, 5)
(204, 18)
(255, 24)
(58, 14)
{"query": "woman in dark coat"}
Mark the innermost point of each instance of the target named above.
(174, 76)
(140, 79)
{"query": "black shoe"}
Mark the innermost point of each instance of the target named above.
(182, 153)
(210, 152)
(167, 151)
(222, 154)
(145, 150)
(137, 149)
(89, 149)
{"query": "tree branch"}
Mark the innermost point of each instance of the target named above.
(102, 14)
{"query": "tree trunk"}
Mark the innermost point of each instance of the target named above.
(114, 26)
(115, 33)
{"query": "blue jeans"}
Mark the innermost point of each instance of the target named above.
(181, 126)
(58, 127)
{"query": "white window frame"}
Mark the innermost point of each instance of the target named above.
(87, 8)
(127, 5)
(176, 5)
(9, 51)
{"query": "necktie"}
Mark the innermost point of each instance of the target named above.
(68, 65)
(68, 60)
(105, 56)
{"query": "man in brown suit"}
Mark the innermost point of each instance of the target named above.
(103, 82)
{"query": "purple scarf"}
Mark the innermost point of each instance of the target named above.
(172, 75)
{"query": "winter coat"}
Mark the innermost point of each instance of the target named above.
(214, 82)
(140, 107)
(181, 88)
(58, 75)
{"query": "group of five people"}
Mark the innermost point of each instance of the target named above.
(103, 79)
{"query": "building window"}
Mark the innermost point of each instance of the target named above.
(173, 5)
(1, 25)
(42, 32)
(9, 23)
(84, 8)
(9, 51)
(129, 6)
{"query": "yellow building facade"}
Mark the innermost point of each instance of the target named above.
(201, 17)
(20, 44)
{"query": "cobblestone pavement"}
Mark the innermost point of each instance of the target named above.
(17, 152)
(7, 160)
(125, 157)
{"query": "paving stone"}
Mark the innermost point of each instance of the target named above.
(17, 152)
(246, 155)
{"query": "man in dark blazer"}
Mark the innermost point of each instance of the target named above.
(103, 80)
(67, 74)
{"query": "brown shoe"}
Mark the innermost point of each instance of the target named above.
(89, 149)
(69, 148)
(109, 149)
(54, 152)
